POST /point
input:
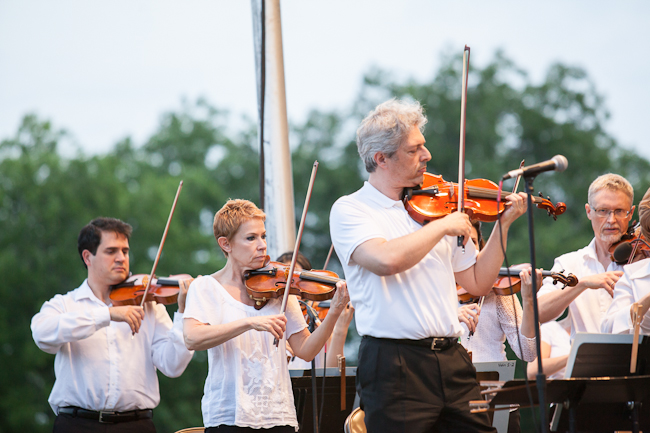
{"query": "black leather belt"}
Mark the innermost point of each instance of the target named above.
(107, 416)
(434, 343)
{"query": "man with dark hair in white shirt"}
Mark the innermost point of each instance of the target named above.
(107, 356)
(412, 376)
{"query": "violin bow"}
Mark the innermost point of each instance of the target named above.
(514, 190)
(287, 288)
(636, 324)
(461, 153)
(329, 255)
(162, 243)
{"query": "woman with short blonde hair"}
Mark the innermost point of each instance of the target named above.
(248, 386)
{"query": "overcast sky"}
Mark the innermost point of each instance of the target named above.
(106, 70)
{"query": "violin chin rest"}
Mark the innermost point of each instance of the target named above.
(259, 302)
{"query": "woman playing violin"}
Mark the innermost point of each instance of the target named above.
(248, 385)
(501, 317)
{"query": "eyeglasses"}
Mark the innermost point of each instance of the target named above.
(618, 213)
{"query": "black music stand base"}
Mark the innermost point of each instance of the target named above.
(333, 418)
(593, 404)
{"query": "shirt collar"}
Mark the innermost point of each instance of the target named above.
(85, 292)
(379, 197)
(590, 250)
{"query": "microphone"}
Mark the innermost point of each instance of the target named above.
(557, 163)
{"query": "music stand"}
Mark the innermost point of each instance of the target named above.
(594, 355)
(503, 371)
(595, 404)
(607, 401)
(333, 418)
(601, 355)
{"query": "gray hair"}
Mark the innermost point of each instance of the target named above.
(386, 127)
(611, 182)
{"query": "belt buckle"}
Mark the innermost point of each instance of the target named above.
(436, 340)
(104, 412)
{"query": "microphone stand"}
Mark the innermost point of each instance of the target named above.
(540, 379)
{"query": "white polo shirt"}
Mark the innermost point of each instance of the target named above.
(587, 311)
(418, 303)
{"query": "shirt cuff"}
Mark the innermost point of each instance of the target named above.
(178, 320)
(528, 339)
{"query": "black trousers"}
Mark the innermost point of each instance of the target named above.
(235, 429)
(69, 424)
(412, 389)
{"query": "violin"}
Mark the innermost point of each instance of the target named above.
(161, 290)
(509, 283)
(466, 298)
(436, 198)
(632, 247)
(270, 282)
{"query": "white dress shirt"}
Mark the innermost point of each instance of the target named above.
(587, 311)
(418, 303)
(633, 285)
(98, 364)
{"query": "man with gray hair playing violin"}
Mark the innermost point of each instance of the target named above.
(412, 375)
(610, 208)
(633, 287)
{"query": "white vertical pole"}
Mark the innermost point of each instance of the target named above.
(278, 182)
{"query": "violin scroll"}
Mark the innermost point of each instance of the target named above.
(509, 281)
(567, 280)
(546, 204)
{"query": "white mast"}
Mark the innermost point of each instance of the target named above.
(273, 126)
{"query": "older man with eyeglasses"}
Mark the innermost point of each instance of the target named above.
(610, 209)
